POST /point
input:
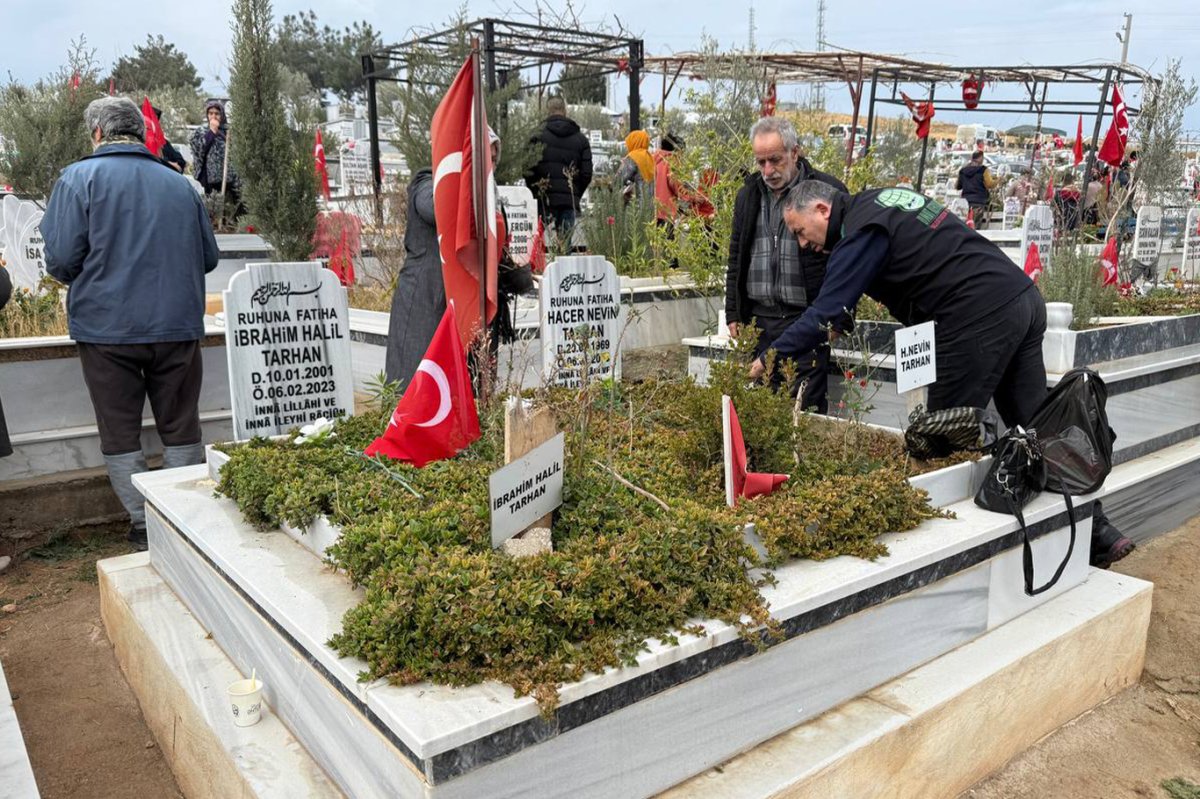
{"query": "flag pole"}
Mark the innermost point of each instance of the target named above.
(479, 141)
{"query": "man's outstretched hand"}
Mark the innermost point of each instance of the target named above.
(757, 369)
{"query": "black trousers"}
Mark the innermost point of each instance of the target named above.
(998, 357)
(5, 445)
(120, 377)
(812, 368)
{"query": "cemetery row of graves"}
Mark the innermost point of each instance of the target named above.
(545, 578)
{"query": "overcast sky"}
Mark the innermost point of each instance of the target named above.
(1001, 33)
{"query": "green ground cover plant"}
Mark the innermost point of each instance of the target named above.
(440, 604)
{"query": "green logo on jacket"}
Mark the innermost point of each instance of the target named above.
(903, 199)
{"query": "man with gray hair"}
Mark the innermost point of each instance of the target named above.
(769, 279)
(132, 240)
(918, 259)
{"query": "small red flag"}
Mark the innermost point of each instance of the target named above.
(1079, 142)
(155, 139)
(75, 80)
(971, 218)
(1050, 188)
(454, 205)
(738, 481)
(436, 417)
(111, 87)
(769, 102)
(342, 261)
(1113, 149)
(1108, 262)
(322, 167)
(1033, 262)
(537, 253)
(922, 114)
(971, 89)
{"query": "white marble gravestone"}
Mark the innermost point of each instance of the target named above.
(1038, 229)
(287, 333)
(21, 242)
(582, 318)
(960, 208)
(1191, 246)
(520, 211)
(1147, 236)
(1012, 212)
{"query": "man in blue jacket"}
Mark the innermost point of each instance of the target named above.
(132, 240)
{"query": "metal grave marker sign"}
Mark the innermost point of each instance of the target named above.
(1147, 236)
(1191, 246)
(1038, 229)
(520, 211)
(581, 320)
(1012, 212)
(526, 489)
(916, 357)
(287, 337)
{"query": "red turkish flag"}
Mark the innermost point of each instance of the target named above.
(1050, 188)
(971, 218)
(743, 483)
(1108, 262)
(922, 113)
(342, 261)
(1113, 149)
(436, 418)
(1033, 263)
(322, 166)
(769, 102)
(971, 89)
(155, 138)
(537, 253)
(454, 205)
(1079, 143)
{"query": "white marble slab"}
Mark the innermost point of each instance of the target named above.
(1007, 598)
(281, 579)
(16, 774)
(871, 732)
(267, 755)
(355, 755)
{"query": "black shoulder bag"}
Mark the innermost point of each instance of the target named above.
(1018, 474)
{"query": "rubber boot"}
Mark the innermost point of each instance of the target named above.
(121, 469)
(1108, 543)
(185, 455)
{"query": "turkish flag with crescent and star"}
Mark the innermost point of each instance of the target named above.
(454, 204)
(1113, 149)
(322, 166)
(155, 139)
(436, 417)
(1108, 263)
(922, 114)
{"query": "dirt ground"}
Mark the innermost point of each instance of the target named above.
(86, 736)
(1147, 734)
(82, 725)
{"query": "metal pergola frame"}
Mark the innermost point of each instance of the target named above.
(507, 48)
(855, 67)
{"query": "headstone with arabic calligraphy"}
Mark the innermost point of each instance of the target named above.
(21, 242)
(1191, 245)
(287, 335)
(520, 211)
(1147, 236)
(1012, 212)
(582, 318)
(1038, 229)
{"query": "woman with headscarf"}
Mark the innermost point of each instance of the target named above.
(209, 159)
(636, 172)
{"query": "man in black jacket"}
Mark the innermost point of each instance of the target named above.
(911, 254)
(564, 172)
(770, 280)
(975, 182)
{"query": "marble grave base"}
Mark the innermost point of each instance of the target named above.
(16, 774)
(851, 625)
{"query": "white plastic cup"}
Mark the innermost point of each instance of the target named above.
(246, 698)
